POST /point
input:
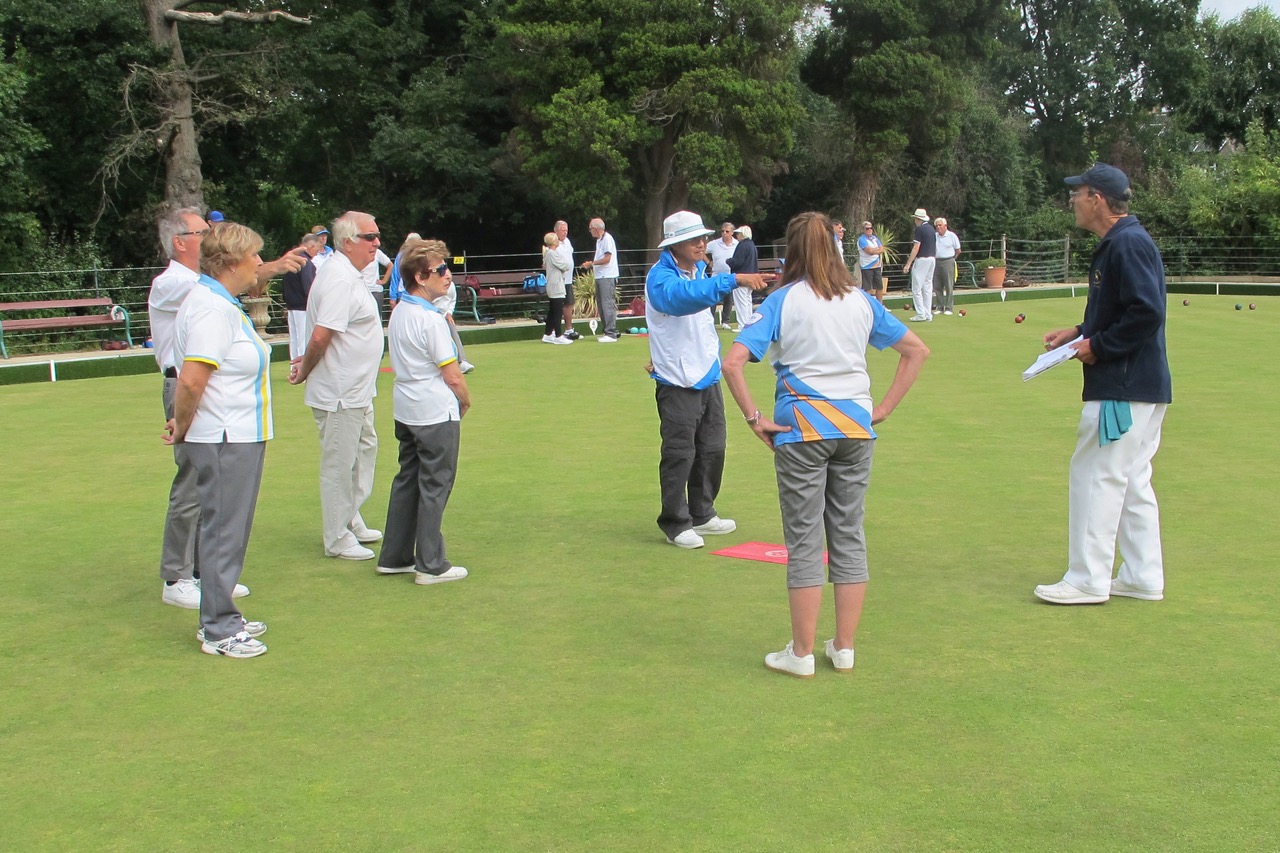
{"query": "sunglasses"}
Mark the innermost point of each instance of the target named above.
(200, 233)
(441, 270)
(371, 237)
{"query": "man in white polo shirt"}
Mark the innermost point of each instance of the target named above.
(944, 271)
(605, 266)
(340, 368)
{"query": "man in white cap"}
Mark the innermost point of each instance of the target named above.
(923, 259)
(684, 350)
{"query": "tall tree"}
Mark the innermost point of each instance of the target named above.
(19, 228)
(897, 72)
(1241, 82)
(626, 104)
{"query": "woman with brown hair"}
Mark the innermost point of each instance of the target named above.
(815, 331)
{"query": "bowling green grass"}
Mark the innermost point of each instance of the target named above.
(591, 688)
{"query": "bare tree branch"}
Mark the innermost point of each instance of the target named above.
(217, 19)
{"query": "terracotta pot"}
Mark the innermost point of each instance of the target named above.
(993, 276)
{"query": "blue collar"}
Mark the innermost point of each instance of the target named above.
(216, 286)
(420, 302)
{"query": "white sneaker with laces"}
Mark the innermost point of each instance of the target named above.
(563, 340)
(253, 629)
(607, 339)
(456, 573)
(184, 593)
(716, 526)
(947, 313)
(686, 539)
(789, 663)
(550, 339)
(1064, 593)
(239, 645)
(352, 552)
(841, 659)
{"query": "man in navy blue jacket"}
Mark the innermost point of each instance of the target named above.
(1126, 391)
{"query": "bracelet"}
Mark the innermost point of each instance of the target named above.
(754, 419)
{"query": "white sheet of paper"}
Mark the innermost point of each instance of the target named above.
(1052, 358)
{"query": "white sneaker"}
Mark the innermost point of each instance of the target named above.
(947, 313)
(253, 629)
(787, 662)
(365, 535)
(396, 570)
(1064, 593)
(467, 367)
(716, 526)
(550, 339)
(686, 539)
(919, 319)
(353, 552)
(563, 340)
(841, 659)
(456, 573)
(239, 645)
(607, 339)
(184, 593)
(1119, 587)
(724, 326)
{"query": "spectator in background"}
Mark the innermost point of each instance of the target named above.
(429, 402)
(294, 288)
(944, 272)
(870, 262)
(340, 367)
(561, 230)
(837, 230)
(605, 268)
(559, 269)
(376, 280)
(720, 251)
(215, 216)
(746, 258)
(923, 251)
(326, 251)
(395, 285)
(815, 330)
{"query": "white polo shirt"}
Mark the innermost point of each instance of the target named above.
(373, 271)
(606, 246)
(720, 254)
(346, 377)
(420, 345)
(168, 290)
(948, 245)
(818, 349)
(236, 404)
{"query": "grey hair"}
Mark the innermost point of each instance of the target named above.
(345, 228)
(596, 223)
(308, 239)
(172, 224)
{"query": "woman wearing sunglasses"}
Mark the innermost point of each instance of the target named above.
(428, 402)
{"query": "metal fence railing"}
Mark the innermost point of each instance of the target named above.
(1027, 262)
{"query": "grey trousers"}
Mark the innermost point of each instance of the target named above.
(944, 284)
(227, 480)
(182, 520)
(348, 453)
(419, 493)
(692, 463)
(821, 489)
(607, 301)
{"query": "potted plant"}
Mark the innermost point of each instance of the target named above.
(993, 270)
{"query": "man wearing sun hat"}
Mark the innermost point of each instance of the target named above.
(923, 259)
(684, 351)
(1127, 389)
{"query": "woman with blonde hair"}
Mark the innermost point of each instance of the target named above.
(559, 270)
(815, 330)
(221, 425)
(428, 402)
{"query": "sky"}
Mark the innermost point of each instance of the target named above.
(1228, 9)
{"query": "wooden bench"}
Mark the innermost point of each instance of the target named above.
(78, 320)
(494, 288)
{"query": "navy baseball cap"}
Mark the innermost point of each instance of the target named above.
(1107, 180)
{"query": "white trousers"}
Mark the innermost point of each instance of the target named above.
(742, 309)
(1113, 504)
(922, 285)
(298, 334)
(348, 451)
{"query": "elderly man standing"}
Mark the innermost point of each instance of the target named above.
(719, 252)
(685, 353)
(561, 230)
(923, 258)
(605, 265)
(944, 271)
(1127, 388)
(181, 232)
(340, 368)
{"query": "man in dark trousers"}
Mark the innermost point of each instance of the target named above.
(294, 287)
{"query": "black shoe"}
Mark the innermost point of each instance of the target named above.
(573, 336)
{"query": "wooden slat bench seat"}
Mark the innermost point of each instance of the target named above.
(114, 315)
(494, 287)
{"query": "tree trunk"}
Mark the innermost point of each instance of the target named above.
(183, 183)
(665, 192)
(860, 200)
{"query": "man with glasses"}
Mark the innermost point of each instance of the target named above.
(720, 251)
(180, 232)
(870, 264)
(684, 350)
(340, 367)
(1127, 389)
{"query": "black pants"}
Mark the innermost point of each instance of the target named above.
(555, 317)
(692, 464)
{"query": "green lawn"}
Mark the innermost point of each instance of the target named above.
(590, 688)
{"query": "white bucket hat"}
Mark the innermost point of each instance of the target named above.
(744, 230)
(920, 214)
(680, 226)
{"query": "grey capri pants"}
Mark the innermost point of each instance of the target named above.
(821, 490)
